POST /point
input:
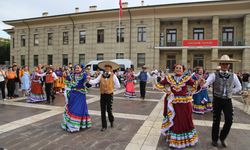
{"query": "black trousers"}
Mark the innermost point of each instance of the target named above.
(226, 106)
(49, 91)
(2, 86)
(143, 88)
(106, 105)
(11, 87)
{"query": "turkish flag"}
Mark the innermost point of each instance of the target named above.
(120, 3)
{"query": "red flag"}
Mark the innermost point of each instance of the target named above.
(120, 3)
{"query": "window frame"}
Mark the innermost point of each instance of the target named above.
(23, 40)
(36, 39)
(199, 33)
(64, 58)
(82, 38)
(119, 56)
(99, 54)
(141, 34)
(120, 32)
(100, 36)
(142, 57)
(66, 38)
(197, 58)
(50, 39)
(22, 60)
(83, 58)
(49, 59)
(35, 58)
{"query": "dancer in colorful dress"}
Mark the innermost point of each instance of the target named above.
(129, 84)
(76, 116)
(202, 103)
(25, 80)
(178, 127)
(36, 94)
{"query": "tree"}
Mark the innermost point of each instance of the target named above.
(4, 51)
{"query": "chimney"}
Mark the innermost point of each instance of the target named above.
(124, 4)
(45, 14)
(77, 10)
(92, 8)
(142, 3)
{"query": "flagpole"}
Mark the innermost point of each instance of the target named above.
(120, 4)
(119, 32)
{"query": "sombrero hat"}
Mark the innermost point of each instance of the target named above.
(144, 67)
(225, 59)
(104, 63)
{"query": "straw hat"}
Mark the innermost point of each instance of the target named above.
(144, 67)
(225, 59)
(104, 63)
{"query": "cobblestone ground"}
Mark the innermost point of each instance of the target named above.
(25, 126)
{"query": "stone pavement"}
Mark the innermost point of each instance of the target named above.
(25, 126)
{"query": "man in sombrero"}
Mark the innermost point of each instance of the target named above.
(225, 84)
(108, 81)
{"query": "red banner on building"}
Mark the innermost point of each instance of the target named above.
(200, 43)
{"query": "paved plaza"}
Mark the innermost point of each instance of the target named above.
(25, 126)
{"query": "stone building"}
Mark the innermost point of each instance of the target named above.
(152, 35)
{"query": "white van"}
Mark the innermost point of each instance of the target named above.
(93, 66)
(123, 63)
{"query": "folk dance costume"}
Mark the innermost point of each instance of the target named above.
(177, 126)
(202, 103)
(76, 116)
(36, 94)
(130, 85)
(108, 81)
(224, 85)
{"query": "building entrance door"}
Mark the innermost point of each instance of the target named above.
(171, 61)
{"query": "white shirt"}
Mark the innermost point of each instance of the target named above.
(236, 83)
(98, 79)
(44, 74)
(2, 75)
(137, 75)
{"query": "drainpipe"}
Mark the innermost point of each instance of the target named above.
(73, 40)
(28, 41)
(130, 36)
(154, 39)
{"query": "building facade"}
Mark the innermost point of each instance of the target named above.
(148, 35)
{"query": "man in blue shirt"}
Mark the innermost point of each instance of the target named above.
(143, 77)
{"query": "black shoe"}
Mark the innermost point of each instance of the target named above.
(214, 143)
(103, 129)
(223, 143)
(111, 124)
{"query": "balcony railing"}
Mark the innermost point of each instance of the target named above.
(232, 43)
(178, 43)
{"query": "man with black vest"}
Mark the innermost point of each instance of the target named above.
(224, 84)
(108, 82)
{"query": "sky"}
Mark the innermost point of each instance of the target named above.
(20, 9)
